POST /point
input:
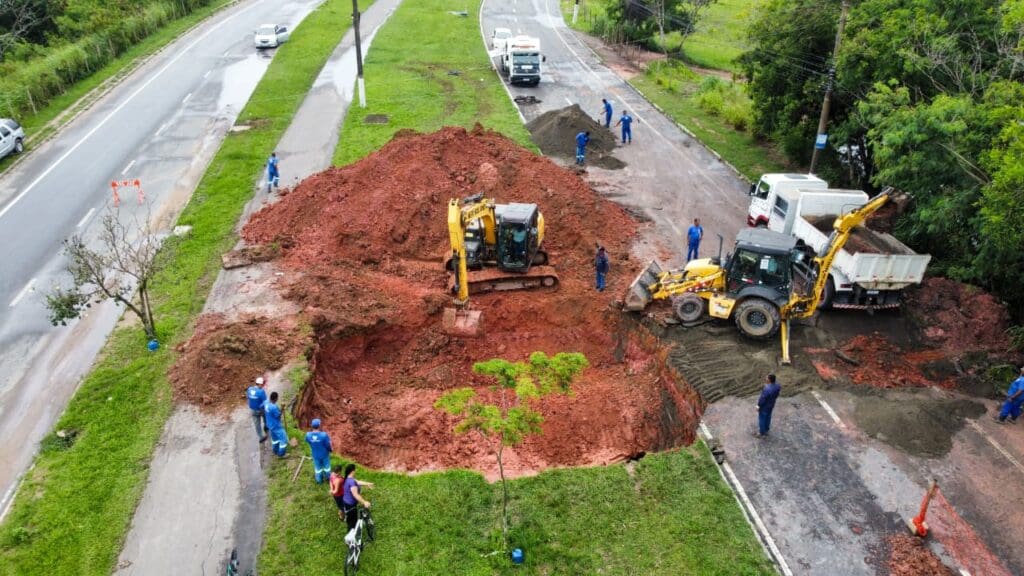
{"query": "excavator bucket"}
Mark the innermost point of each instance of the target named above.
(639, 294)
(461, 322)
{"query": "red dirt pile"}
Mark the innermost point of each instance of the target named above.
(221, 360)
(958, 317)
(368, 240)
(910, 557)
(886, 365)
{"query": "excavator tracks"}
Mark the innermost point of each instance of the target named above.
(494, 280)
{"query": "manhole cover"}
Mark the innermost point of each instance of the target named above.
(376, 119)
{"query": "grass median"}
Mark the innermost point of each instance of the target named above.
(62, 109)
(669, 513)
(425, 69)
(72, 512)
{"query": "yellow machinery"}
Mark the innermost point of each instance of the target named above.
(494, 247)
(767, 281)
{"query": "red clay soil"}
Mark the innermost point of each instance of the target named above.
(958, 317)
(368, 240)
(221, 360)
(910, 557)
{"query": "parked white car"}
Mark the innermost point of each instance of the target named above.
(12, 137)
(270, 36)
(499, 37)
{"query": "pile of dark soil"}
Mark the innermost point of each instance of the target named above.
(910, 557)
(555, 133)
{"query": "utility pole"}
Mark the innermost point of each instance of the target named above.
(826, 106)
(575, 10)
(359, 55)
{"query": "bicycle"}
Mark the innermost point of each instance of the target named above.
(356, 538)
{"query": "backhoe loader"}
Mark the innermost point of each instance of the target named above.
(769, 279)
(494, 247)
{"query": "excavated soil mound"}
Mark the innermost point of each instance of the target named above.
(221, 360)
(910, 557)
(367, 241)
(885, 365)
(958, 317)
(555, 133)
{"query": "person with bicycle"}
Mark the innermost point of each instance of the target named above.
(351, 496)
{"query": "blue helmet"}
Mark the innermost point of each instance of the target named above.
(315, 423)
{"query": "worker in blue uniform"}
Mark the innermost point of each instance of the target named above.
(627, 127)
(606, 107)
(1014, 400)
(320, 447)
(581, 146)
(257, 398)
(278, 437)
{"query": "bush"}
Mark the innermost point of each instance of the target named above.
(726, 100)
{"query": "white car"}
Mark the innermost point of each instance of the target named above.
(499, 37)
(270, 36)
(12, 137)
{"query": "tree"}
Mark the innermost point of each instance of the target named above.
(123, 266)
(640, 18)
(512, 418)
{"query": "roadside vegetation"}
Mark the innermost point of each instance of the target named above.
(424, 86)
(42, 117)
(71, 513)
(669, 513)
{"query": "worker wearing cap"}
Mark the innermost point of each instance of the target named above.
(257, 398)
(1014, 400)
(320, 447)
(278, 437)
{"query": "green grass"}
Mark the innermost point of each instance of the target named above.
(408, 80)
(71, 514)
(38, 126)
(675, 516)
(721, 35)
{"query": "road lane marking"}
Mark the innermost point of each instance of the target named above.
(207, 75)
(567, 101)
(831, 412)
(23, 292)
(162, 128)
(187, 96)
(120, 107)
(128, 167)
(748, 508)
(1016, 463)
(226, 52)
(86, 217)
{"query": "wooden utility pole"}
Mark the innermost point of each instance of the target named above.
(359, 55)
(826, 105)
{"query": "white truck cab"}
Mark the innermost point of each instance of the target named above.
(763, 194)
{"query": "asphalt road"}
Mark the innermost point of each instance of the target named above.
(161, 125)
(669, 177)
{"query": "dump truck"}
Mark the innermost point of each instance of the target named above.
(763, 193)
(870, 271)
(521, 60)
(767, 280)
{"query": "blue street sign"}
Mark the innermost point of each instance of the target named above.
(819, 143)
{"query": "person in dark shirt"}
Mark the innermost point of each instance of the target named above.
(766, 404)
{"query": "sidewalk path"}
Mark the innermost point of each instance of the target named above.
(207, 490)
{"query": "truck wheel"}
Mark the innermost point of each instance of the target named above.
(829, 296)
(757, 318)
(689, 307)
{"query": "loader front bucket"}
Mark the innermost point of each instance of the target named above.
(461, 322)
(639, 294)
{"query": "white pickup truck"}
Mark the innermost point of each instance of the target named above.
(871, 270)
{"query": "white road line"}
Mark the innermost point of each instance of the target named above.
(187, 96)
(831, 412)
(162, 128)
(226, 52)
(86, 217)
(569, 102)
(121, 106)
(207, 75)
(128, 167)
(1016, 463)
(23, 292)
(483, 36)
(748, 507)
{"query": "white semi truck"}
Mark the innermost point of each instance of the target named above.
(871, 270)
(521, 60)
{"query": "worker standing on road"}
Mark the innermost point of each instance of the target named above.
(320, 447)
(693, 238)
(606, 107)
(581, 146)
(273, 174)
(1014, 400)
(601, 266)
(257, 397)
(278, 437)
(627, 130)
(766, 404)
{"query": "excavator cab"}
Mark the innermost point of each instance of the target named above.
(519, 233)
(763, 260)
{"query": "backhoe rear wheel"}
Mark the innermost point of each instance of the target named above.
(689, 307)
(758, 318)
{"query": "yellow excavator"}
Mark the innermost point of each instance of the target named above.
(767, 280)
(495, 247)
